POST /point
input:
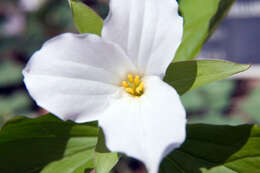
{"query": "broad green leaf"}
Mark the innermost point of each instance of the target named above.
(219, 169)
(104, 159)
(201, 17)
(187, 75)
(226, 149)
(47, 145)
(85, 19)
(104, 162)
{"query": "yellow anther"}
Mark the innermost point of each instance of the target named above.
(140, 88)
(133, 85)
(125, 84)
(137, 80)
(130, 91)
(130, 78)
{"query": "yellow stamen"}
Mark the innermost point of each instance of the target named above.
(137, 80)
(130, 78)
(125, 84)
(140, 88)
(133, 85)
(130, 90)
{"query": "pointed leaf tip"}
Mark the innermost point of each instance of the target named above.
(85, 19)
(187, 75)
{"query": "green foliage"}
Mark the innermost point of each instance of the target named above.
(206, 104)
(104, 159)
(10, 73)
(217, 119)
(85, 19)
(12, 105)
(29, 145)
(194, 101)
(219, 169)
(15, 103)
(104, 162)
(251, 105)
(223, 148)
(187, 75)
(214, 96)
(200, 20)
(49, 145)
(217, 94)
(223, 8)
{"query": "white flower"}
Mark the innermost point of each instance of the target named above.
(117, 79)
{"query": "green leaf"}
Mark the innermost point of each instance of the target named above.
(104, 162)
(223, 8)
(47, 145)
(104, 159)
(226, 149)
(201, 18)
(219, 169)
(187, 75)
(85, 19)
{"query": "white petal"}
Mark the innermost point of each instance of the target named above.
(146, 128)
(150, 32)
(73, 76)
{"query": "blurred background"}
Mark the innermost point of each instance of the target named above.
(26, 24)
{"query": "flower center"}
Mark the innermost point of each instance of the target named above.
(133, 85)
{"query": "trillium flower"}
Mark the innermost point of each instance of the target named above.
(117, 79)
